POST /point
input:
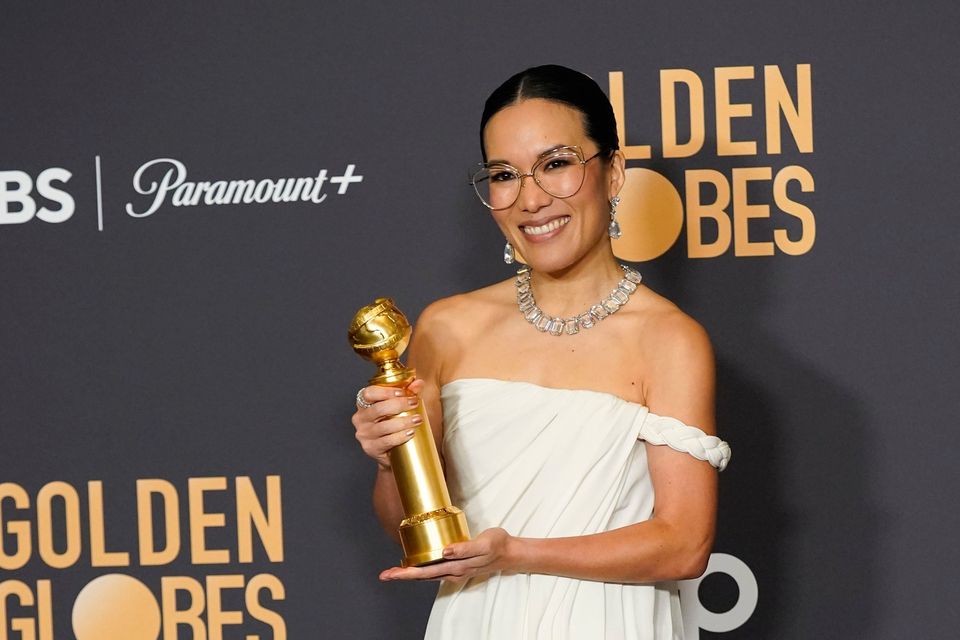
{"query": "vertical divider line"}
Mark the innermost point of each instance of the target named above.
(99, 197)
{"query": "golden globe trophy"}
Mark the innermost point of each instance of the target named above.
(380, 333)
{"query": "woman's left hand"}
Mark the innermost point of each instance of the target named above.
(489, 552)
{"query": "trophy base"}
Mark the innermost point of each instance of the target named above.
(425, 535)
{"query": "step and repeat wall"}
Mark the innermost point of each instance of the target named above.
(196, 198)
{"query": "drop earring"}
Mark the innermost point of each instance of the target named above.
(614, 229)
(508, 254)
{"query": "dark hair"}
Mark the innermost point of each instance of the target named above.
(559, 84)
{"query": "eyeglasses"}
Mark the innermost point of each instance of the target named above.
(559, 172)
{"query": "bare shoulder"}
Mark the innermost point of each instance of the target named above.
(669, 334)
(465, 312)
(681, 363)
(449, 325)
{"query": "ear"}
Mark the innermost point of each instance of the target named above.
(617, 173)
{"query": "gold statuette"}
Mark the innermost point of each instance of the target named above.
(380, 333)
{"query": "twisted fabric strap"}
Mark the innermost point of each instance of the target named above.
(685, 439)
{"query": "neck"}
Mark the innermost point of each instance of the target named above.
(572, 290)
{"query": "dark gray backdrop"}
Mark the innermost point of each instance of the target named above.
(210, 340)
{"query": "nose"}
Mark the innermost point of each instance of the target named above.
(532, 197)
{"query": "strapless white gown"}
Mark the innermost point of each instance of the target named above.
(543, 462)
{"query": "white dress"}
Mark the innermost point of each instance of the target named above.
(543, 462)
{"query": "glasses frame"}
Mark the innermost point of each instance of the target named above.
(532, 174)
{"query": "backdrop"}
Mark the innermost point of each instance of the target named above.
(194, 200)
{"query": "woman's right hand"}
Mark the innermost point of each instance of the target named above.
(379, 429)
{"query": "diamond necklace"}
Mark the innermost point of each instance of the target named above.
(558, 326)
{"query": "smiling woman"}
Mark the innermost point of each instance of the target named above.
(586, 459)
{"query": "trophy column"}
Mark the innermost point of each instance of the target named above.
(380, 333)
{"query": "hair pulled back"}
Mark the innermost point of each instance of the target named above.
(559, 84)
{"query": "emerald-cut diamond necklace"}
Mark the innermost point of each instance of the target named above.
(558, 326)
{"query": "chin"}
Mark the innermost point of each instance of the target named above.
(556, 258)
(547, 262)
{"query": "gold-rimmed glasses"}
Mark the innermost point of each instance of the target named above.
(559, 172)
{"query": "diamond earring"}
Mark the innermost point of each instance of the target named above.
(508, 253)
(614, 229)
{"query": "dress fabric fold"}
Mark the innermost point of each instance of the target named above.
(543, 462)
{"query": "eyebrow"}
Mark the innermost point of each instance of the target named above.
(542, 154)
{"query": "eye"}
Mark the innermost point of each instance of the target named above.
(559, 162)
(501, 175)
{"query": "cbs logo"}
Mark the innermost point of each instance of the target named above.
(17, 205)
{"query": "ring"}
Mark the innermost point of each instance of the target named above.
(361, 402)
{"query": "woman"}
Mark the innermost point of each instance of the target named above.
(552, 399)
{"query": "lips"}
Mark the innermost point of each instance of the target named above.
(546, 227)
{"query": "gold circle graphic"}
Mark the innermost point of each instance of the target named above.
(650, 215)
(116, 607)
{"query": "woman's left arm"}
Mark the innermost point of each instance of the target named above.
(675, 543)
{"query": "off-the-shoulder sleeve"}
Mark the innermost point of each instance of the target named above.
(686, 439)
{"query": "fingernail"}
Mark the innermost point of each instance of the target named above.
(398, 393)
(416, 420)
(448, 553)
(411, 432)
(414, 401)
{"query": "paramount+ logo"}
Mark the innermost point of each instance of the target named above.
(220, 526)
(160, 184)
(722, 211)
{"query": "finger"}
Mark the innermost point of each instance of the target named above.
(415, 573)
(416, 387)
(375, 432)
(436, 571)
(397, 573)
(386, 574)
(395, 439)
(457, 550)
(393, 406)
(383, 409)
(375, 393)
(460, 550)
(393, 425)
(467, 562)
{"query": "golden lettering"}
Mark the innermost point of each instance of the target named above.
(727, 111)
(19, 529)
(216, 616)
(716, 211)
(200, 521)
(630, 152)
(99, 556)
(44, 610)
(45, 533)
(24, 626)
(669, 79)
(149, 554)
(808, 224)
(173, 617)
(799, 115)
(250, 512)
(743, 212)
(257, 584)
(39, 628)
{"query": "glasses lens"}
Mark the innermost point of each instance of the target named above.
(497, 185)
(560, 174)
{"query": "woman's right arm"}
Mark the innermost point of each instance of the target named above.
(379, 430)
